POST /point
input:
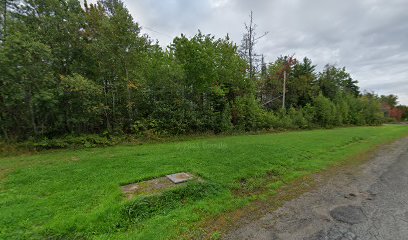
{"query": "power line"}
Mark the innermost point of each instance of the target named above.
(152, 30)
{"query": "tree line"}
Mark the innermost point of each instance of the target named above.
(70, 69)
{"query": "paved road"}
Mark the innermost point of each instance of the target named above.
(370, 202)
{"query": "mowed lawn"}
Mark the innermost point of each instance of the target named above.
(76, 193)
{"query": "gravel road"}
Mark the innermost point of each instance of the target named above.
(368, 202)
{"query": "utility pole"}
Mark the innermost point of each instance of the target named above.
(289, 62)
(263, 66)
(251, 45)
(284, 90)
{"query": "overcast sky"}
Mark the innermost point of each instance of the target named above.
(368, 37)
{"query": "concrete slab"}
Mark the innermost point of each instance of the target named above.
(148, 187)
(157, 185)
(179, 177)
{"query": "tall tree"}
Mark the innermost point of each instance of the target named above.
(27, 93)
(3, 19)
(248, 43)
(7, 10)
(214, 74)
(300, 87)
(333, 81)
(391, 100)
(116, 50)
(72, 69)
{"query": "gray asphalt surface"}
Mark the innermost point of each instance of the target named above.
(369, 202)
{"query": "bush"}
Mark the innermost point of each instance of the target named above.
(343, 112)
(297, 118)
(309, 114)
(325, 111)
(372, 111)
(145, 127)
(70, 141)
(248, 114)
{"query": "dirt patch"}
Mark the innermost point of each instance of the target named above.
(153, 186)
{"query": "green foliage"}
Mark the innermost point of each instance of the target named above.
(71, 141)
(391, 100)
(309, 114)
(79, 96)
(27, 90)
(343, 111)
(69, 69)
(371, 106)
(325, 111)
(214, 79)
(81, 77)
(297, 118)
(300, 87)
(248, 115)
(333, 81)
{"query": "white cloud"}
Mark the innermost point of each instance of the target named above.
(218, 3)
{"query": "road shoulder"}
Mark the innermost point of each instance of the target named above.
(343, 205)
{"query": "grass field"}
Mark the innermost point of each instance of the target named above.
(68, 194)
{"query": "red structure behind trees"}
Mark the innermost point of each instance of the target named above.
(396, 114)
(393, 112)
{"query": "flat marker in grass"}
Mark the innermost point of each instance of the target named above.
(179, 177)
(156, 185)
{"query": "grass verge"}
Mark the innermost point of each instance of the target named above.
(76, 193)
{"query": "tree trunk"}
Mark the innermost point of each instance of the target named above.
(5, 134)
(32, 114)
(4, 21)
(129, 103)
(105, 91)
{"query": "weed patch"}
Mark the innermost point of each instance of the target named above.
(149, 206)
(248, 186)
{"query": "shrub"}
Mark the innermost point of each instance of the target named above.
(248, 114)
(71, 141)
(145, 127)
(325, 111)
(309, 114)
(297, 118)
